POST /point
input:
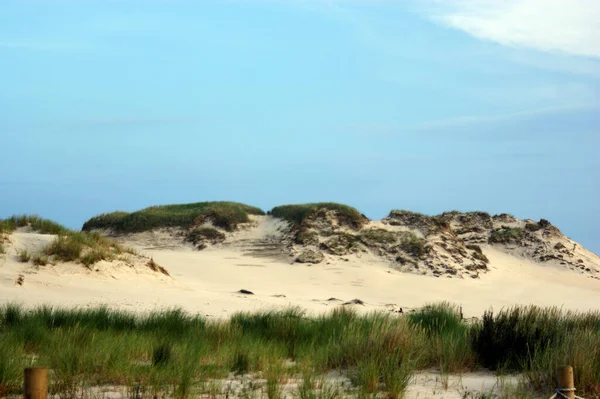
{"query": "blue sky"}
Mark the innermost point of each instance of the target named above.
(424, 105)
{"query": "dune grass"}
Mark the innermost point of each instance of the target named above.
(172, 353)
(297, 213)
(40, 225)
(226, 215)
(506, 235)
(69, 246)
(23, 256)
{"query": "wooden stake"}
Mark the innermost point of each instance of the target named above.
(36, 383)
(565, 380)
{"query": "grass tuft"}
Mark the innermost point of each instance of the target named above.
(23, 256)
(40, 260)
(296, 214)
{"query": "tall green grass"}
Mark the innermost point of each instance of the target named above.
(448, 337)
(177, 354)
(538, 340)
(226, 215)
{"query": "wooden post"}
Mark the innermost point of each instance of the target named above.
(36, 383)
(565, 380)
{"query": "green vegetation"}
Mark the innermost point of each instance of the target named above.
(199, 235)
(175, 354)
(341, 244)
(226, 215)
(412, 244)
(506, 235)
(69, 246)
(378, 236)
(478, 253)
(23, 256)
(42, 226)
(40, 260)
(296, 214)
(405, 241)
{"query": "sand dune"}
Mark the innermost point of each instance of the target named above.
(207, 282)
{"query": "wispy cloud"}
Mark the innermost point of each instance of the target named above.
(549, 25)
(388, 129)
(41, 44)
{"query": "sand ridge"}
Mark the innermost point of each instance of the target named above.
(208, 282)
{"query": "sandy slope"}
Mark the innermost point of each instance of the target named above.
(207, 281)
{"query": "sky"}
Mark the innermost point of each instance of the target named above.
(425, 105)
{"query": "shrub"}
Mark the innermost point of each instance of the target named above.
(507, 235)
(296, 214)
(202, 234)
(305, 236)
(412, 244)
(2, 250)
(532, 227)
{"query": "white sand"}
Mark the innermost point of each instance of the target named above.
(207, 282)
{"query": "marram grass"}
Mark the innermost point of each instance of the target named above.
(175, 354)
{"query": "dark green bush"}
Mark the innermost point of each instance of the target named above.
(506, 235)
(412, 244)
(511, 338)
(201, 234)
(226, 215)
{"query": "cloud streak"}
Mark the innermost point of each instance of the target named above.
(549, 25)
(390, 130)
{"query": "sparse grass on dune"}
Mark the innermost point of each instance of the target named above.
(23, 256)
(85, 247)
(176, 354)
(40, 225)
(226, 215)
(507, 235)
(297, 213)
